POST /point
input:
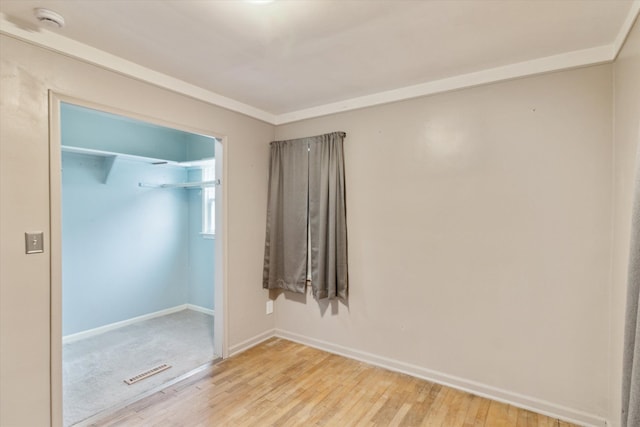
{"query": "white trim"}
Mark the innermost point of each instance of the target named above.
(201, 309)
(578, 58)
(221, 246)
(221, 326)
(618, 43)
(493, 393)
(84, 52)
(55, 253)
(81, 51)
(251, 342)
(116, 325)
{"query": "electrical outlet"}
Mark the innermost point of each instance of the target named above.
(270, 306)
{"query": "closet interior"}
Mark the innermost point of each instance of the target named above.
(138, 232)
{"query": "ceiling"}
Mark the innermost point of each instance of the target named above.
(290, 59)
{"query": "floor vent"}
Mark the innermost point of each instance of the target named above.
(147, 374)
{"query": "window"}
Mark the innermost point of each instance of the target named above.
(209, 202)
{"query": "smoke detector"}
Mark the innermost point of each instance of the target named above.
(49, 18)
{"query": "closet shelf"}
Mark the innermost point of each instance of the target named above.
(111, 157)
(143, 159)
(199, 184)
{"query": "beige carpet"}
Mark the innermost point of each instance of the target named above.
(94, 369)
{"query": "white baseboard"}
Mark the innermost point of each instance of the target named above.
(111, 326)
(251, 342)
(483, 390)
(201, 309)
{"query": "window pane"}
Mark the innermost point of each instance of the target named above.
(208, 202)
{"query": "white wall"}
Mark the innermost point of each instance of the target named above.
(27, 73)
(479, 227)
(626, 92)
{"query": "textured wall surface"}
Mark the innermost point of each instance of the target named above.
(27, 74)
(479, 229)
(626, 95)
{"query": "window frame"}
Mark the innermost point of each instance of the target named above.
(208, 229)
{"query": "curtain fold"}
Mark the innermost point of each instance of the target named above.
(328, 217)
(631, 361)
(306, 217)
(285, 251)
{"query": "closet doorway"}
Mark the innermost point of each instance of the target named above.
(140, 228)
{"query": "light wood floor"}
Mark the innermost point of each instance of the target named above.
(281, 383)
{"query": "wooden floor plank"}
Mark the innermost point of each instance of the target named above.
(285, 384)
(472, 411)
(438, 410)
(421, 404)
(483, 411)
(498, 415)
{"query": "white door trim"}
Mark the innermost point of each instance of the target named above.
(55, 205)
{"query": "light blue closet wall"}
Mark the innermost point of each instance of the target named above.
(86, 128)
(129, 251)
(124, 250)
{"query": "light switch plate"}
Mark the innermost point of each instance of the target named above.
(270, 306)
(34, 242)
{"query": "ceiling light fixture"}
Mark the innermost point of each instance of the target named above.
(49, 18)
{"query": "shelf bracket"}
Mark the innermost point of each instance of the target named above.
(107, 164)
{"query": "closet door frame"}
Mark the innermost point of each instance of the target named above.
(55, 208)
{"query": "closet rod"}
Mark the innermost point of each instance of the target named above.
(198, 184)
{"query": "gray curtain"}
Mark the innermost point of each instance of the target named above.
(285, 249)
(328, 217)
(307, 201)
(631, 362)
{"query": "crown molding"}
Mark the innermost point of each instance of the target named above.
(575, 59)
(564, 61)
(86, 53)
(627, 25)
(568, 60)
